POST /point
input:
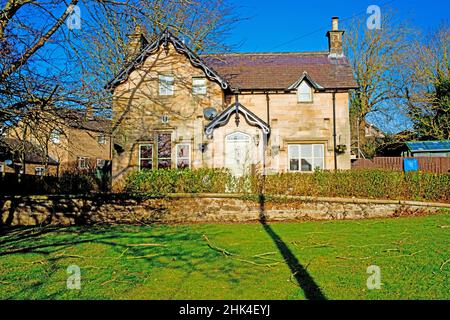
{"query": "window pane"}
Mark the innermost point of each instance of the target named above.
(304, 92)
(146, 152)
(183, 163)
(307, 164)
(293, 165)
(164, 163)
(318, 150)
(199, 85)
(293, 152)
(166, 85)
(164, 145)
(183, 151)
(306, 151)
(146, 164)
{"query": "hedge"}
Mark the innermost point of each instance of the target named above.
(362, 183)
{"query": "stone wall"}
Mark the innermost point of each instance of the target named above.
(200, 208)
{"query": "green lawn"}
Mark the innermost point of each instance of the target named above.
(281, 261)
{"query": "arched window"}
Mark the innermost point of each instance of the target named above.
(238, 136)
(304, 92)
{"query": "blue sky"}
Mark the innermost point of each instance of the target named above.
(297, 25)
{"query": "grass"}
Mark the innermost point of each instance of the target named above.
(280, 261)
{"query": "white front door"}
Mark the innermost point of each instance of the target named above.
(237, 153)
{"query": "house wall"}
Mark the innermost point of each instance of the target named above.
(84, 143)
(138, 108)
(293, 122)
(74, 142)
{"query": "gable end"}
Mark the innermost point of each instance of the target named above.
(163, 39)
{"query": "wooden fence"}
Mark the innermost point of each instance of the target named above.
(426, 164)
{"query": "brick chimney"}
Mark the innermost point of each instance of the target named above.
(335, 39)
(136, 42)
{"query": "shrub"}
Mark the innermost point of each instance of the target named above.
(162, 182)
(375, 184)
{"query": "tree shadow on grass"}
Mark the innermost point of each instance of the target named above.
(122, 257)
(305, 281)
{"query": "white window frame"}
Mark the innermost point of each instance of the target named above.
(55, 136)
(300, 92)
(315, 160)
(199, 89)
(86, 162)
(101, 139)
(100, 161)
(183, 158)
(151, 156)
(39, 169)
(166, 85)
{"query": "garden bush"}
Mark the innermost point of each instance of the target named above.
(373, 184)
(162, 182)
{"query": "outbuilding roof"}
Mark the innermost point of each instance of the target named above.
(428, 146)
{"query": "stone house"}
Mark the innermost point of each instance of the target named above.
(72, 140)
(270, 112)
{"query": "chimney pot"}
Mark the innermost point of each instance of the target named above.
(335, 23)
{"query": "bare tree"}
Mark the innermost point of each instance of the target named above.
(44, 64)
(376, 57)
(427, 85)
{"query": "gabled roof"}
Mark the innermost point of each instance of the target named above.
(224, 117)
(32, 153)
(279, 71)
(306, 77)
(78, 119)
(163, 39)
(427, 146)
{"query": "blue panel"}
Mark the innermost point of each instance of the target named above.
(428, 145)
(410, 164)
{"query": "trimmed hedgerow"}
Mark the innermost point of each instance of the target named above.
(374, 184)
(162, 182)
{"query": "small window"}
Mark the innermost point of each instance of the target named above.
(306, 157)
(183, 156)
(2, 168)
(198, 86)
(55, 136)
(100, 163)
(166, 85)
(39, 171)
(304, 92)
(83, 163)
(145, 156)
(101, 139)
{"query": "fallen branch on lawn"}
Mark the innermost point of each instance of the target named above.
(353, 258)
(235, 257)
(146, 245)
(222, 251)
(443, 264)
(146, 256)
